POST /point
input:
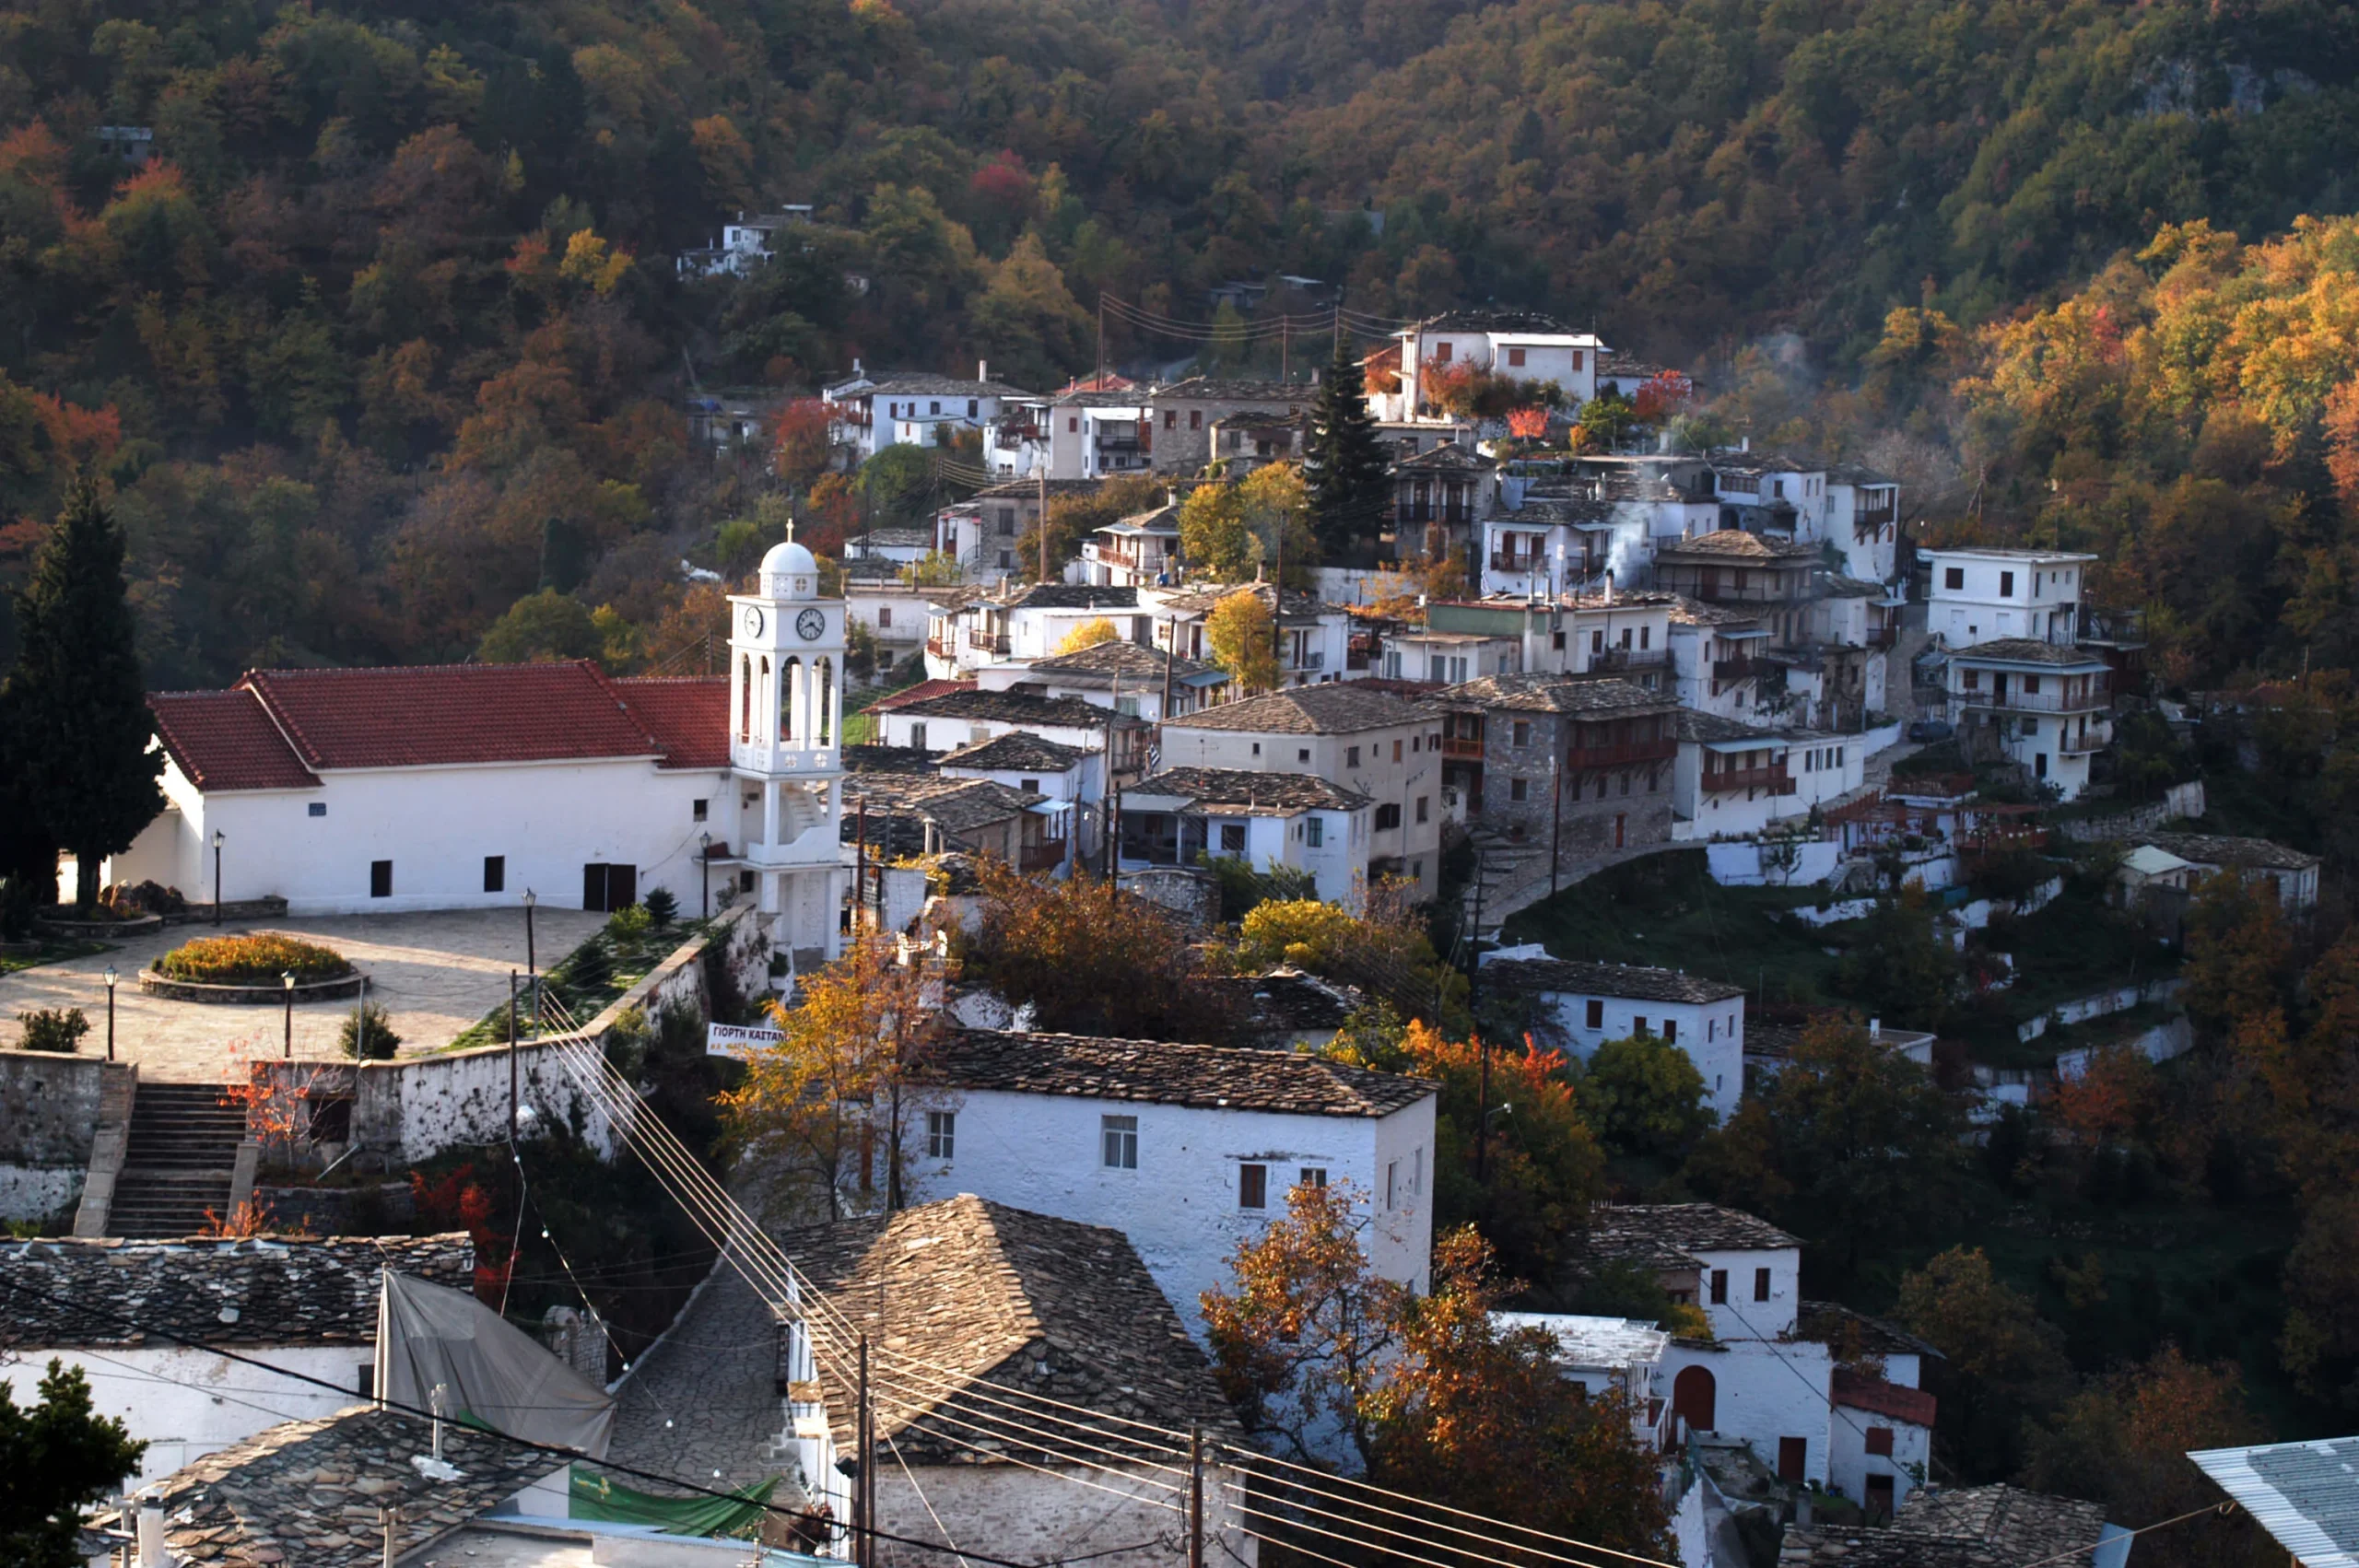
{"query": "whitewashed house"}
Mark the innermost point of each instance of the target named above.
(947, 721)
(301, 1306)
(1287, 821)
(2047, 705)
(1117, 675)
(1314, 638)
(1610, 1355)
(1863, 520)
(1447, 658)
(2289, 875)
(1732, 780)
(1522, 345)
(1369, 743)
(1584, 1005)
(1715, 658)
(1186, 1150)
(744, 247)
(1021, 623)
(1979, 595)
(870, 413)
(1138, 551)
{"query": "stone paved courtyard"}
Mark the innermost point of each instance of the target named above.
(434, 972)
(713, 1378)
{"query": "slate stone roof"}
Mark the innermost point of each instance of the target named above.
(1100, 661)
(939, 386)
(1765, 461)
(1857, 474)
(273, 1291)
(1340, 708)
(1535, 691)
(1685, 1227)
(1205, 389)
(1734, 544)
(900, 805)
(1861, 1392)
(277, 729)
(1236, 791)
(990, 1297)
(921, 692)
(893, 539)
(1852, 1334)
(1013, 707)
(1696, 725)
(1447, 458)
(2211, 849)
(1494, 321)
(891, 759)
(306, 1493)
(1284, 1002)
(1637, 982)
(2017, 1527)
(1068, 596)
(1827, 1546)
(2029, 651)
(1160, 1072)
(1301, 610)
(1015, 752)
(1029, 490)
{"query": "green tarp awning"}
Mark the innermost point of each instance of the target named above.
(739, 1514)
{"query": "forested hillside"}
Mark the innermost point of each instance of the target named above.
(386, 334)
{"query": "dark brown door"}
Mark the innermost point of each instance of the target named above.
(622, 886)
(1879, 1499)
(1793, 1459)
(1695, 1399)
(594, 887)
(1620, 823)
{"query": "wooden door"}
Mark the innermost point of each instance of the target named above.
(622, 886)
(594, 887)
(1879, 1500)
(1695, 1399)
(1793, 1459)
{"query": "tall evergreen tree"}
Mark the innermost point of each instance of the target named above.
(1346, 469)
(60, 1456)
(74, 708)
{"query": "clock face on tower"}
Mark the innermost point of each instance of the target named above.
(810, 625)
(753, 620)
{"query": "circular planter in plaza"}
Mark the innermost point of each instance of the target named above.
(250, 970)
(103, 929)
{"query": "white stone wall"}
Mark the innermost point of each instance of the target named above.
(1075, 1514)
(1765, 1390)
(437, 824)
(187, 1403)
(1180, 1207)
(1712, 1035)
(1742, 1316)
(1850, 1463)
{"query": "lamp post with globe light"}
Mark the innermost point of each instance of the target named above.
(111, 977)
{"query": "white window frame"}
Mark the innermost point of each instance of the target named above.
(941, 1134)
(1118, 1142)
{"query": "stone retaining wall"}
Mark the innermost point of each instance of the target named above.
(49, 1113)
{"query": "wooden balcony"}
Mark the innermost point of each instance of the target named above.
(1461, 747)
(1743, 667)
(1773, 778)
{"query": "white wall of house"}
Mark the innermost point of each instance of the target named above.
(1180, 1207)
(894, 615)
(1980, 596)
(437, 825)
(187, 1403)
(1338, 863)
(1711, 1033)
(1850, 1464)
(1753, 1310)
(1083, 781)
(1871, 555)
(1763, 1391)
(938, 734)
(1570, 359)
(1398, 766)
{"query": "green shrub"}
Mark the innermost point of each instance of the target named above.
(251, 961)
(369, 1035)
(56, 1029)
(629, 923)
(661, 908)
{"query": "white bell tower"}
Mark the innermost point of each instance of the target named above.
(786, 664)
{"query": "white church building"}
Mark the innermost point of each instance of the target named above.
(456, 786)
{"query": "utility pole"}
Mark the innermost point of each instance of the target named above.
(1100, 384)
(1195, 1497)
(1043, 524)
(860, 864)
(512, 1058)
(1482, 1106)
(1557, 825)
(1285, 347)
(1113, 798)
(864, 1542)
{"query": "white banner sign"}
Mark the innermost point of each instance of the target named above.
(738, 1039)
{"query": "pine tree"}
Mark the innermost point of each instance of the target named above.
(1348, 475)
(75, 708)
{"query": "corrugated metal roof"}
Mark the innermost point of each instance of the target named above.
(2304, 1494)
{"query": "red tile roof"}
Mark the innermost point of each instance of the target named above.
(433, 714)
(918, 693)
(688, 714)
(1875, 1396)
(226, 741)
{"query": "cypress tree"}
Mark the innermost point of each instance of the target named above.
(74, 708)
(1344, 468)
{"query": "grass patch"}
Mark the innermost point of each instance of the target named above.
(2076, 946)
(51, 951)
(583, 982)
(1666, 910)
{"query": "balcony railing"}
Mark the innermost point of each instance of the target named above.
(1775, 779)
(938, 646)
(2016, 700)
(987, 642)
(2083, 744)
(1883, 637)
(1629, 659)
(1621, 754)
(1461, 747)
(1517, 563)
(1740, 667)
(1309, 659)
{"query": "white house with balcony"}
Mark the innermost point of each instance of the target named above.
(1188, 1150)
(1581, 1006)
(1522, 345)
(744, 247)
(870, 414)
(1981, 595)
(2046, 706)
(1024, 623)
(1314, 637)
(1715, 658)
(1863, 520)
(1609, 1355)
(1138, 551)
(1269, 821)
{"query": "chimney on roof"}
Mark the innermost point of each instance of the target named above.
(982, 370)
(1875, 1028)
(153, 1553)
(1745, 443)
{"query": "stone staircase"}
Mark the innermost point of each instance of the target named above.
(181, 1161)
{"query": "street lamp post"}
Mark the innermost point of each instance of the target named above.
(218, 836)
(287, 979)
(111, 977)
(704, 867)
(531, 967)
